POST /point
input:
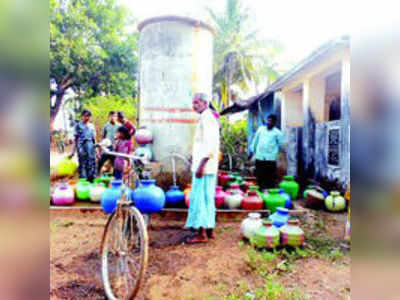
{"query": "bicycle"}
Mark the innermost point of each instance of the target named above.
(124, 245)
(125, 241)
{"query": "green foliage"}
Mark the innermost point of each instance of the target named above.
(91, 50)
(101, 106)
(240, 57)
(272, 290)
(260, 261)
(234, 144)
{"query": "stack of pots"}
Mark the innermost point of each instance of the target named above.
(269, 236)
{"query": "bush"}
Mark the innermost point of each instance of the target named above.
(101, 106)
(234, 145)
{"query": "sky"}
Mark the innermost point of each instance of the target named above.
(301, 26)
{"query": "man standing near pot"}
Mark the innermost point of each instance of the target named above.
(202, 211)
(109, 132)
(124, 122)
(266, 145)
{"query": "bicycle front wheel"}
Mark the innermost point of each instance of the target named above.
(124, 253)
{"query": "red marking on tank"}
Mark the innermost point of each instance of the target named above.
(169, 109)
(184, 121)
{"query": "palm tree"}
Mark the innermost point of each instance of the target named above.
(240, 58)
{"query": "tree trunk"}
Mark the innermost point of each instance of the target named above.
(56, 108)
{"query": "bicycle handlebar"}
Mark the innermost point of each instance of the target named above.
(130, 156)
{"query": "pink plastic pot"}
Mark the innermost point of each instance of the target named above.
(63, 195)
(144, 136)
(235, 187)
(220, 196)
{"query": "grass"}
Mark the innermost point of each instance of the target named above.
(272, 290)
(262, 262)
(222, 229)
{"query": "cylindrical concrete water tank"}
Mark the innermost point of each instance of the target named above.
(176, 55)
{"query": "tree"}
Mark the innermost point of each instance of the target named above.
(240, 58)
(91, 51)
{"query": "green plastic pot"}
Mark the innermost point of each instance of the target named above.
(290, 186)
(291, 234)
(267, 236)
(83, 189)
(335, 202)
(273, 200)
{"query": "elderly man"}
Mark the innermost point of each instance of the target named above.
(204, 167)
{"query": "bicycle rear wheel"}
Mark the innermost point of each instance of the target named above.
(124, 253)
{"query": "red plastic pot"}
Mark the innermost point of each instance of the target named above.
(252, 201)
(223, 178)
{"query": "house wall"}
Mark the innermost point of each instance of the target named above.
(292, 110)
(318, 148)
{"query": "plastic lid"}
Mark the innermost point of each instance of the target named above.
(335, 193)
(273, 191)
(288, 177)
(282, 209)
(254, 215)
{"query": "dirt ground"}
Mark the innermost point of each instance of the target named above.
(221, 268)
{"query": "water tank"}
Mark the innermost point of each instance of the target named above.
(176, 55)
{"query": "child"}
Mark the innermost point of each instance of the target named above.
(123, 145)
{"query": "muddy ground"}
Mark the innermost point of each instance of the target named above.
(225, 268)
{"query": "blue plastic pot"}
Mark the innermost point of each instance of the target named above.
(174, 196)
(280, 217)
(148, 197)
(111, 195)
(288, 200)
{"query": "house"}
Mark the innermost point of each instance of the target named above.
(312, 102)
